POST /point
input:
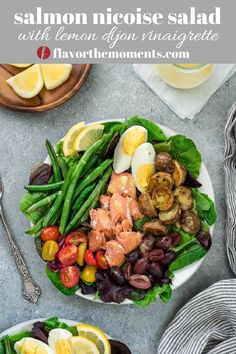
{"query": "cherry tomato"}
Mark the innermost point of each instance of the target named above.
(101, 260)
(75, 238)
(68, 255)
(69, 276)
(81, 254)
(50, 233)
(49, 251)
(89, 258)
(89, 274)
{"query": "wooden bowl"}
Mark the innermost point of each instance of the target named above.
(46, 99)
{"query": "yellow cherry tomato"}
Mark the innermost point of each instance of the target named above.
(89, 274)
(82, 248)
(50, 249)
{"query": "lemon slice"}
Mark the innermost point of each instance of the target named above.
(21, 65)
(68, 141)
(80, 345)
(28, 83)
(95, 335)
(55, 74)
(88, 137)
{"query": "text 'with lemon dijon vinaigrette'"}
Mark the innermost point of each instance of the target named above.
(184, 76)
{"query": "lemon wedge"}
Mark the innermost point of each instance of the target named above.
(21, 65)
(95, 335)
(55, 74)
(28, 83)
(88, 136)
(80, 345)
(69, 139)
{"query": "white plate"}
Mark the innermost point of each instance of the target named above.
(181, 276)
(27, 326)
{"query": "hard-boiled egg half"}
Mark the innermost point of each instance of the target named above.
(32, 346)
(128, 143)
(59, 342)
(143, 165)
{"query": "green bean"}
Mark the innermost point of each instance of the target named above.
(59, 200)
(54, 162)
(36, 228)
(93, 176)
(45, 201)
(7, 345)
(92, 161)
(63, 166)
(83, 195)
(43, 187)
(90, 202)
(71, 190)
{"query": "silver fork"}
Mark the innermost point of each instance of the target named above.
(30, 290)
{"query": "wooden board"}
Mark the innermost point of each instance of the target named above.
(46, 99)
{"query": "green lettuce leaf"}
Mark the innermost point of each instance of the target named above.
(154, 131)
(205, 207)
(188, 256)
(163, 291)
(29, 199)
(185, 151)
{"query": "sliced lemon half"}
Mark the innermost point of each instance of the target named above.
(28, 83)
(68, 141)
(88, 137)
(55, 74)
(95, 335)
(81, 345)
(21, 65)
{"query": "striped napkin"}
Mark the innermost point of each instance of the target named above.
(207, 323)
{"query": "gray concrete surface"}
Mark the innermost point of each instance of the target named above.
(112, 91)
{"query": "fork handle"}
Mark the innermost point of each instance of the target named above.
(30, 290)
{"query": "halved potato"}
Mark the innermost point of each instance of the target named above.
(179, 174)
(160, 179)
(155, 227)
(164, 162)
(172, 215)
(184, 197)
(146, 205)
(162, 198)
(190, 222)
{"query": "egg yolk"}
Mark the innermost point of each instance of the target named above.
(30, 347)
(132, 139)
(143, 174)
(63, 347)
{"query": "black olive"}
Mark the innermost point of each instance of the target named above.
(118, 276)
(133, 256)
(118, 347)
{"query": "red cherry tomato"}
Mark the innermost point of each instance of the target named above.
(51, 233)
(68, 255)
(101, 260)
(75, 238)
(89, 258)
(69, 276)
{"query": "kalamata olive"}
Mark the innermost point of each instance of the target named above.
(155, 269)
(133, 256)
(118, 347)
(147, 244)
(169, 257)
(117, 275)
(140, 266)
(156, 255)
(205, 239)
(168, 241)
(140, 281)
(128, 271)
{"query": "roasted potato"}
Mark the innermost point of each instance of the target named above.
(184, 197)
(155, 227)
(146, 205)
(164, 162)
(190, 222)
(179, 174)
(172, 215)
(160, 179)
(162, 198)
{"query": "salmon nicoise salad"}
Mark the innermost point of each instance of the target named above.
(116, 210)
